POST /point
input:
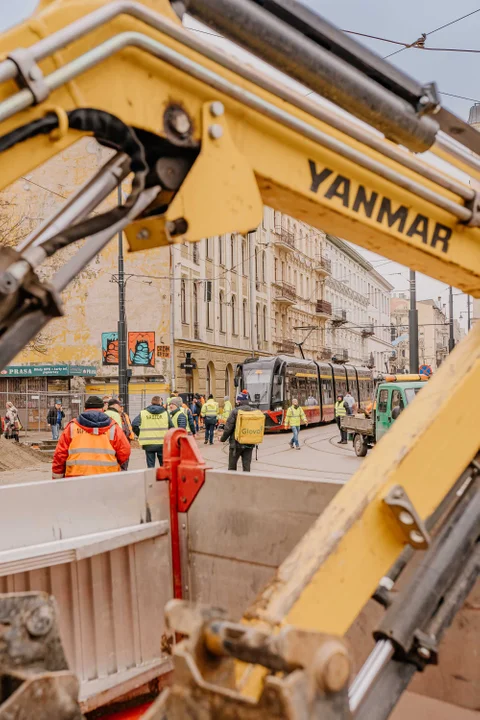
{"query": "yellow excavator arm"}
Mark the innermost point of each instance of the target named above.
(208, 139)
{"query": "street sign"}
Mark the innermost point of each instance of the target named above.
(425, 370)
(49, 370)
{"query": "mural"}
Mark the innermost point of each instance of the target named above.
(110, 348)
(141, 347)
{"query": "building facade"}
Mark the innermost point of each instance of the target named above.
(433, 333)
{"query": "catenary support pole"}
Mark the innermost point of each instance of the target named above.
(413, 325)
(451, 339)
(122, 323)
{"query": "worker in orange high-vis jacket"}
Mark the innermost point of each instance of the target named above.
(92, 444)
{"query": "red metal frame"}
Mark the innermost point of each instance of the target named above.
(184, 469)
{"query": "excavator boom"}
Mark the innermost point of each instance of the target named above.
(208, 138)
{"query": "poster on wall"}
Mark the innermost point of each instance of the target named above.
(110, 348)
(141, 349)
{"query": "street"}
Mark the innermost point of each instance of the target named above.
(320, 456)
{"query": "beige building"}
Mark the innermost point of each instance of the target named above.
(433, 333)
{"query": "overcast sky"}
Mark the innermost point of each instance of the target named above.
(455, 73)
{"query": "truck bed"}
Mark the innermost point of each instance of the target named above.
(359, 424)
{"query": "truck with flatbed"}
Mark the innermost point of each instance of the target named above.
(392, 395)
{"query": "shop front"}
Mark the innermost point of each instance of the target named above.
(34, 388)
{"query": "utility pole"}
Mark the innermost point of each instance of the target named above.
(122, 323)
(173, 267)
(413, 325)
(451, 339)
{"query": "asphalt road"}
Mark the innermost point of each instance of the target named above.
(320, 456)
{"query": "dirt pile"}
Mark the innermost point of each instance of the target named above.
(15, 456)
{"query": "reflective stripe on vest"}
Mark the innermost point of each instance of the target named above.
(175, 417)
(340, 410)
(295, 415)
(91, 453)
(211, 409)
(152, 428)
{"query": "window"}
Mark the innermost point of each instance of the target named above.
(244, 256)
(244, 319)
(263, 266)
(209, 248)
(234, 315)
(195, 253)
(221, 300)
(382, 401)
(275, 270)
(232, 252)
(257, 319)
(195, 303)
(256, 266)
(183, 301)
(221, 258)
(397, 400)
(264, 312)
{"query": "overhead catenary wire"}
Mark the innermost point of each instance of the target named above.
(431, 32)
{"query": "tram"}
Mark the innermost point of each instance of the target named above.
(273, 382)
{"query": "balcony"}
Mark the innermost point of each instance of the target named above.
(284, 293)
(340, 355)
(284, 238)
(340, 318)
(323, 265)
(441, 348)
(368, 331)
(323, 308)
(285, 347)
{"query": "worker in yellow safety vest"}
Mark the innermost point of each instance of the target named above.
(210, 416)
(341, 411)
(150, 427)
(227, 409)
(293, 419)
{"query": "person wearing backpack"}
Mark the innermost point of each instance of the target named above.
(236, 434)
(295, 416)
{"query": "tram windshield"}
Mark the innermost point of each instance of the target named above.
(257, 379)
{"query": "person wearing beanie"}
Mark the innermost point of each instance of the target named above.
(176, 412)
(151, 427)
(237, 450)
(116, 412)
(92, 444)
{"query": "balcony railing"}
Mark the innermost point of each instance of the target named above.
(284, 292)
(340, 317)
(340, 355)
(286, 238)
(368, 331)
(285, 347)
(442, 347)
(323, 265)
(322, 307)
(324, 353)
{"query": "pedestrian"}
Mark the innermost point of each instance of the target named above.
(240, 450)
(12, 422)
(106, 399)
(191, 429)
(341, 411)
(150, 427)
(115, 411)
(349, 401)
(92, 444)
(54, 419)
(196, 409)
(210, 416)
(202, 403)
(178, 416)
(173, 395)
(227, 409)
(311, 400)
(294, 417)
